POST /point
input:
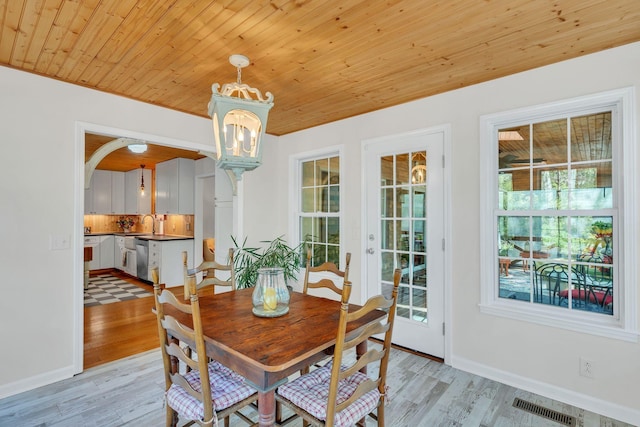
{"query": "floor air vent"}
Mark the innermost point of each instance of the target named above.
(559, 417)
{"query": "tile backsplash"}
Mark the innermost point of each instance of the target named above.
(181, 225)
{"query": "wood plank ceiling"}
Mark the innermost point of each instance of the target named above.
(323, 60)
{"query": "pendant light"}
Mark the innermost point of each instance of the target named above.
(142, 180)
(239, 114)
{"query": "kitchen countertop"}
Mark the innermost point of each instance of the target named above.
(145, 236)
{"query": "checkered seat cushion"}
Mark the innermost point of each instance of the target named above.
(227, 388)
(311, 391)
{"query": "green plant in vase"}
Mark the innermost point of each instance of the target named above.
(248, 260)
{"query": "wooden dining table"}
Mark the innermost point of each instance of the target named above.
(267, 350)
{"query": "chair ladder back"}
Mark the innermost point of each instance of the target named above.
(162, 333)
(391, 318)
(337, 355)
(211, 279)
(328, 267)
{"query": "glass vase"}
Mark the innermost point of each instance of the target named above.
(270, 295)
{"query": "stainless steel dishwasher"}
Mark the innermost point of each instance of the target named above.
(142, 259)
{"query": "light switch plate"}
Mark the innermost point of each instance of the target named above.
(58, 242)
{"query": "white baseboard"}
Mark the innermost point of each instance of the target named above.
(599, 406)
(30, 383)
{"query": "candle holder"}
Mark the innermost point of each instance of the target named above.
(270, 295)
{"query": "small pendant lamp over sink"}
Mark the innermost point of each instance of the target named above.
(142, 180)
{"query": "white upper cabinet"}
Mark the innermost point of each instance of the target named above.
(134, 202)
(117, 192)
(105, 194)
(175, 186)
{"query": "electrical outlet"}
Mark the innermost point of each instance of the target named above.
(586, 368)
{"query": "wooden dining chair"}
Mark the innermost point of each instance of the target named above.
(208, 390)
(330, 275)
(211, 278)
(209, 252)
(340, 394)
(326, 282)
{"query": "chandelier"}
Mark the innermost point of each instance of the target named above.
(239, 114)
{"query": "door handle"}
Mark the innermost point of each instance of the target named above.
(370, 251)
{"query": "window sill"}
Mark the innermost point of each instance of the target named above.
(584, 323)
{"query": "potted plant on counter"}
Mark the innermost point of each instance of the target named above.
(248, 260)
(125, 223)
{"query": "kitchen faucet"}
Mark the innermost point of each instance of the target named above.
(153, 223)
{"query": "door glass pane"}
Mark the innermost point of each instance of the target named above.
(386, 237)
(419, 201)
(419, 228)
(386, 170)
(402, 202)
(387, 266)
(403, 232)
(386, 202)
(402, 169)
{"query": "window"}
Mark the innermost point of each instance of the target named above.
(319, 207)
(553, 244)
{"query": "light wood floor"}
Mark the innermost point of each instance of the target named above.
(423, 393)
(129, 391)
(121, 329)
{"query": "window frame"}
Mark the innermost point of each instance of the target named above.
(623, 324)
(295, 193)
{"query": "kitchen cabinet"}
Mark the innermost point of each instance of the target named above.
(119, 255)
(94, 243)
(130, 266)
(106, 251)
(167, 256)
(105, 194)
(124, 255)
(175, 181)
(103, 251)
(134, 202)
(117, 192)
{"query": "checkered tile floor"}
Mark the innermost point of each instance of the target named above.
(105, 289)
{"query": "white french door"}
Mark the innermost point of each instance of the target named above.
(404, 184)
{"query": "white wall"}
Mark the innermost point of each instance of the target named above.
(41, 196)
(538, 358)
